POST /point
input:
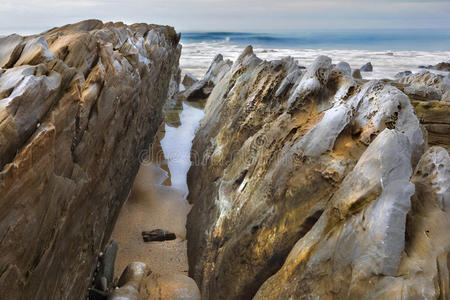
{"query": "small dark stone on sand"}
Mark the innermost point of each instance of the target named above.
(158, 235)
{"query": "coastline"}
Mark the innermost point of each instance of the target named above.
(196, 57)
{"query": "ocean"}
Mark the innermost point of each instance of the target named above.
(389, 51)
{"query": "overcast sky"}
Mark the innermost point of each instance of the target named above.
(32, 16)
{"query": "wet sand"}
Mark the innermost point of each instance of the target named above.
(158, 200)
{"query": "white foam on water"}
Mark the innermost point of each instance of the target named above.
(196, 58)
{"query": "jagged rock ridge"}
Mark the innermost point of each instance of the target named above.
(301, 187)
(78, 104)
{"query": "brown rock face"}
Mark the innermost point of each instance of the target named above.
(301, 188)
(77, 106)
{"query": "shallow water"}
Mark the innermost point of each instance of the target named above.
(158, 198)
(177, 143)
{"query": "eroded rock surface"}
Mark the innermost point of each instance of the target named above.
(367, 67)
(169, 286)
(301, 187)
(430, 95)
(130, 282)
(442, 66)
(77, 106)
(201, 89)
(189, 80)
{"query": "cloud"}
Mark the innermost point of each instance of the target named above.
(28, 16)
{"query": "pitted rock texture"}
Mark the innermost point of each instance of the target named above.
(300, 186)
(78, 104)
(430, 95)
(426, 86)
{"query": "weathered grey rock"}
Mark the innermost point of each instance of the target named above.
(402, 74)
(10, 49)
(170, 286)
(202, 88)
(315, 78)
(373, 201)
(78, 104)
(275, 147)
(106, 267)
(189, 80)
(130, 282)
(424, 78)
(174, 84)
(434, 114)
(367, 67)
(422, 92)
(424, 267)
(356, 73)
(294, 75)
(442, 66)
(345, 68)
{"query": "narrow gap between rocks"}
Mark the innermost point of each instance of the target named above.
(158, 198)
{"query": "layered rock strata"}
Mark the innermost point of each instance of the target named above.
(301, 186)
(78, 104)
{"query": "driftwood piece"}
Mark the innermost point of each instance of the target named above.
(158, 235)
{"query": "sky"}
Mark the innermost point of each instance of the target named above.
(32, 16)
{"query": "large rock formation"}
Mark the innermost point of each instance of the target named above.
(78, 104)
(301, 188)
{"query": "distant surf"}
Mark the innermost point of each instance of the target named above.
(390, 51)
(430, 40)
